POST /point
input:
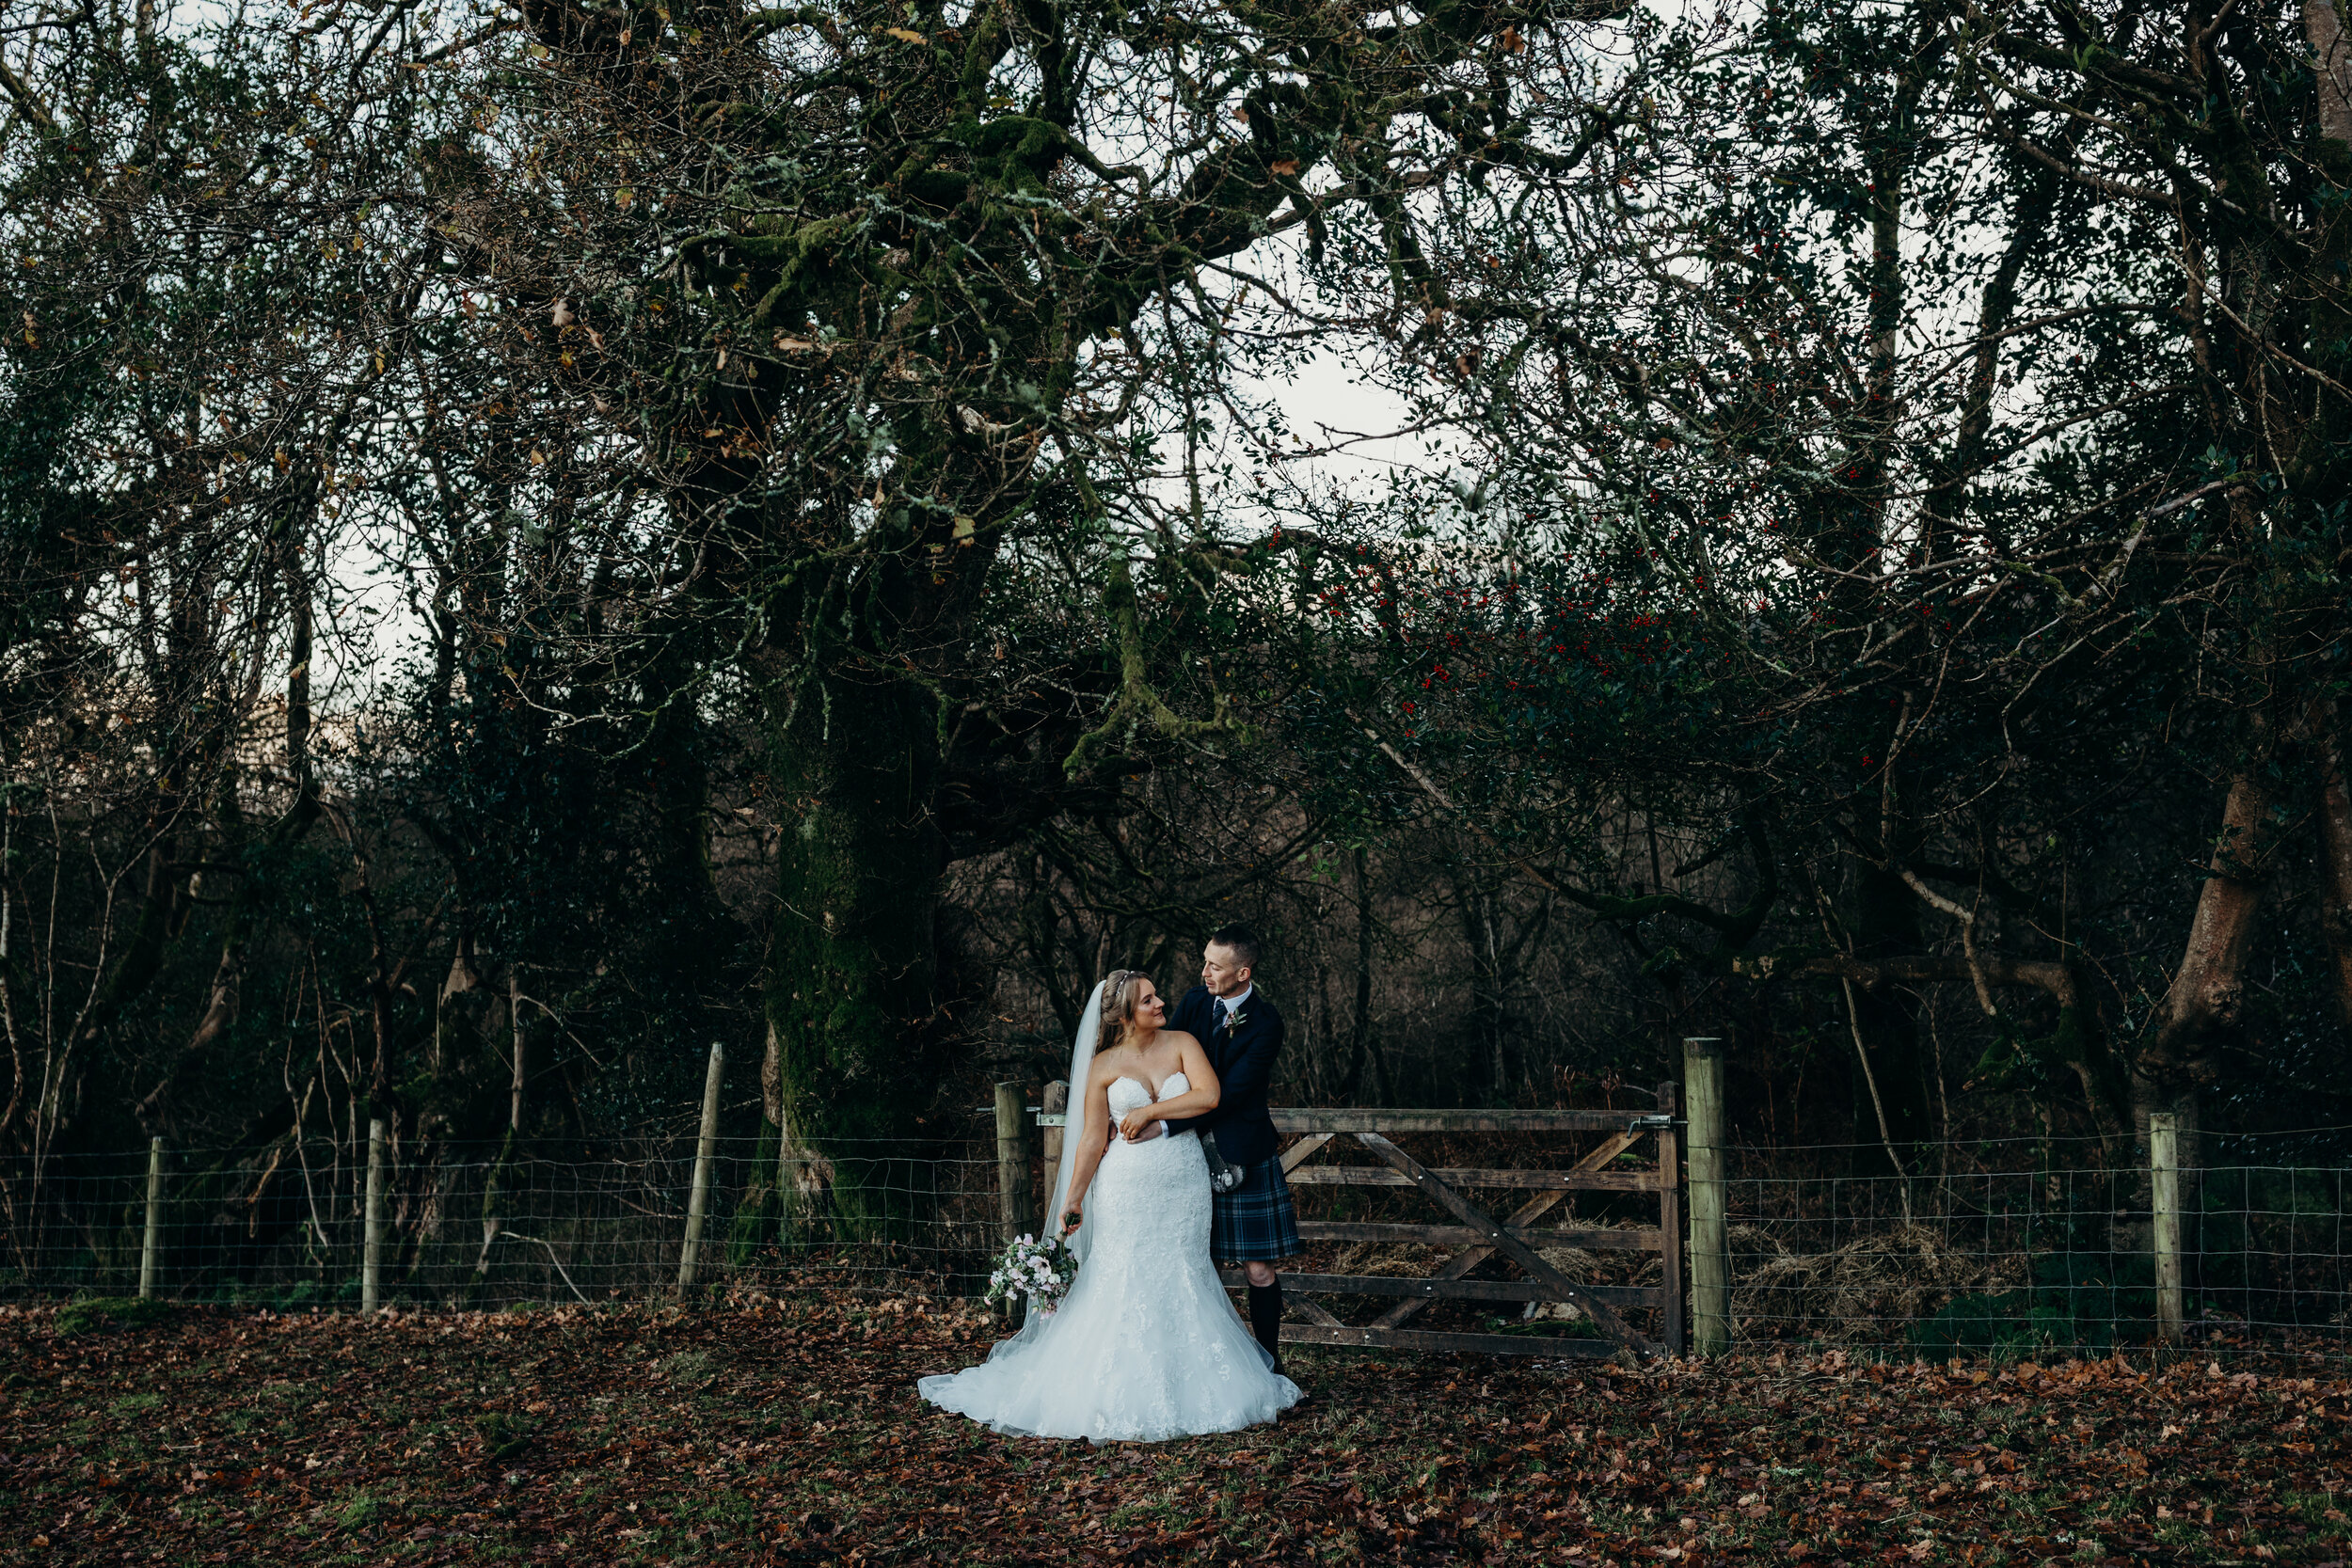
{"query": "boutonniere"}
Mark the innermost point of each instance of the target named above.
(1235, 1021)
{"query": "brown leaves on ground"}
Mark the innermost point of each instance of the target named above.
(761, 1434)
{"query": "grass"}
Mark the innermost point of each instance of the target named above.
(99, 1314)
(789, 1434)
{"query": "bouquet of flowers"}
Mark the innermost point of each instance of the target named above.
(1038, 1268)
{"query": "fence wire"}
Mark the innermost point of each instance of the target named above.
(2012, 1246)
(481, 1225)
(2008, 1248)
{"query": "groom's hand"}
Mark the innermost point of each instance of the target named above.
(1157, 1129)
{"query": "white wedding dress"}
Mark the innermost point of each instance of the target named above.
(1146, 1346)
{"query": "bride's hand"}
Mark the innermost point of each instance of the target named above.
(1072, 1216)
(1131, 1126)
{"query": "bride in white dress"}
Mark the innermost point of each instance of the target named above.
(1146, 1346)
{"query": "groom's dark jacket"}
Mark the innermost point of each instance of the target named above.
(1243, 1059)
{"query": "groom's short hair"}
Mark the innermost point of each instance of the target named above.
(1240, 941)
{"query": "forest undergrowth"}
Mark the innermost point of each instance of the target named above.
(768, 1432)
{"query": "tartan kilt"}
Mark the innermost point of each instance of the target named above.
(1255, 1220)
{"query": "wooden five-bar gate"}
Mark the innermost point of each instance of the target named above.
(1475, 1234)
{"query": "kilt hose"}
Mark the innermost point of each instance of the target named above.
(1255, 1220)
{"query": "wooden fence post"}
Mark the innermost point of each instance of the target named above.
(1013, 1169)
(150, 1248)
(2164, 1173)
(1056, 1103)
(1710, 1272)
(1013, 1159)
(372, 1244)
(1670, 1221)
(706, 1146)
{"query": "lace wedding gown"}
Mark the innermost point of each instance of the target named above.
(1146, 1346)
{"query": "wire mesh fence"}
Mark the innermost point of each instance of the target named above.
(1984, 1248)
(486, 1226)
(2013, 1246)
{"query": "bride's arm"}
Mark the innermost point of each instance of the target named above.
(1200, 1097)
(1096, 1139)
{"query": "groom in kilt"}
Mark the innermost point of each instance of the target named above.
(1253, 1223)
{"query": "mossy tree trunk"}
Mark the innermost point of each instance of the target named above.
(851, 1012)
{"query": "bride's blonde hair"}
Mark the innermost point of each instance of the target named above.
(1118, 1006)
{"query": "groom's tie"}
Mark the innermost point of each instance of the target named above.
(1221, 1024)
